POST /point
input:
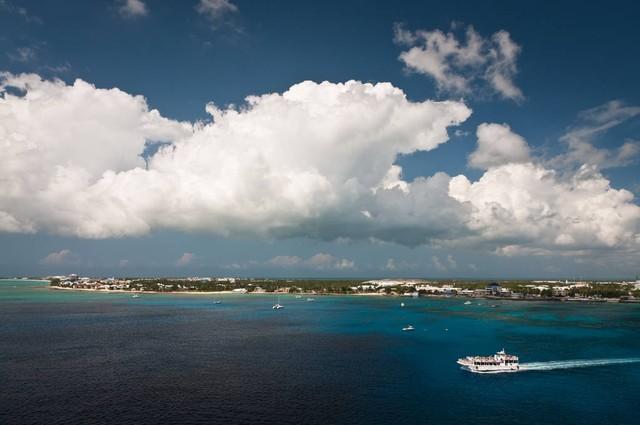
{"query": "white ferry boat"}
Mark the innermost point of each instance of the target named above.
(498, 363)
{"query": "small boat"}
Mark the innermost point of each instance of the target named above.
(467, 302)
(298, 296)
(401, 304)
(408, 328)
(217, 301)
(310, 299)
(277, 305)
(135, 296)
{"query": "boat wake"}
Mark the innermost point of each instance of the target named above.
(570, 364)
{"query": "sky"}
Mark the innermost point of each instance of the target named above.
(320, 139)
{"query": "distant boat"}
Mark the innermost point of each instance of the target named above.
(401, 304)
(135, 296)
(467, 302)
(408, 328)
(277, 305)
(310, 299)
(298, 296)
(217, 301)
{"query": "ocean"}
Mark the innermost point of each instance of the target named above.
(95, 358)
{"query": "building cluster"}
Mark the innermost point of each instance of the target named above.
(534, 289)
(108, 284)
(210, 279)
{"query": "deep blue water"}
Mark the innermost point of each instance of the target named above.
(93, 358)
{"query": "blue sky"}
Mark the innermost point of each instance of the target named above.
(571, 58)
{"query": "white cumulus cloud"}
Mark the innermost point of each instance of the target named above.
(62, 147)
(498, 145)
(283, 165)
(524, 208)
(316, 161)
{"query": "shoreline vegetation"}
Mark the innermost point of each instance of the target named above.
(523, 290)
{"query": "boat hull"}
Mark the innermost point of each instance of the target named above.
(487, 369)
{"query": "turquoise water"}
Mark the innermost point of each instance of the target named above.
(82, 357)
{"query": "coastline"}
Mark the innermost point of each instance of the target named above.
(120, 291)
(126, 291)
(369, 294)
(23, 280)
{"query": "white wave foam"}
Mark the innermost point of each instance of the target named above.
(570, 364)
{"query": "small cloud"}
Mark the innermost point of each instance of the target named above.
(284, 261)
(215, 9)
(10, 8)
(186, 259)
(395, 265)
(462, 65)
(58, 69)
(132, 8)
(438, 264)
(234, 266)
(319, 261)
(452, 262)
(593, 124)
(322, 261)
(473, 267)
(498, 145)
(123, 263)
(391, 264)
(23, 54)
(345, 264)
(56, 258)
(520, 250)
(220, 15)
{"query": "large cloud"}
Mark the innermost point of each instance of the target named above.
(304, 161)
(60, 143)
(521, 207)
(315, 161)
